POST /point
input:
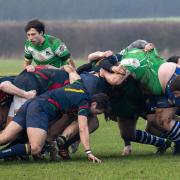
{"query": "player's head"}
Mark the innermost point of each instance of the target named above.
(174, 59)
(100, 103)
(35, 30)
(175, 86)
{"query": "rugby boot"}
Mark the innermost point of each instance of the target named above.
(162, 149)
(63, 152)
(53, 151)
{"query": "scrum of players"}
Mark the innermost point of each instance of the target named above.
(48, 108)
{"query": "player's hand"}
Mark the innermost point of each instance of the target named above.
(119, 70)
(68, 68)
(108, 53)
(93, 158)
(30, 68)
(105, 54)
(148, 47)
(30, 94)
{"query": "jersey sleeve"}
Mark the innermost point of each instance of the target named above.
(131, 64)
(27, 53)
(108, 62)
(84, 68)
(84, 108)
(61, 50)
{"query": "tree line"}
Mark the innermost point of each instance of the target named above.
(84, 37)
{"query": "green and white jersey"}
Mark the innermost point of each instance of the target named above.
(144, 67)
(53, 51)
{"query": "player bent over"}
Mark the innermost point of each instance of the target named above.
(35, 115)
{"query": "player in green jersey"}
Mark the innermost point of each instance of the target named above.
(44, 49)
(157, 77)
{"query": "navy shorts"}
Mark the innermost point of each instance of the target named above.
(35, 113)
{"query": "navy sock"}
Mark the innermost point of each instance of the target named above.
(146, 138)
(18, 149)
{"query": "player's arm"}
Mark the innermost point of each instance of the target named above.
(110, 64)
(73, 75)
(9, 88)
(98, 55)
(85, 68)
(114, 78)
(71, 62)
(61, 50)
(27, 56)
(27, 62)
(84, 136)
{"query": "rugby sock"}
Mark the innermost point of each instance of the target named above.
(72, 140)
(146, 138)
(127, 143)
(18, 149)
(174, 134)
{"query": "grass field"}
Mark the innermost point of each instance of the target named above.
(143, 164)
(14, 66)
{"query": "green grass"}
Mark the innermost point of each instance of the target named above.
(14, 66)
(106, 143)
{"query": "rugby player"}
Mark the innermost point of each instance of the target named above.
(35, 115)
(44, 49)
(156, 77)
(126, 106)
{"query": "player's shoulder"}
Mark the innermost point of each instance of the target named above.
(52, 39)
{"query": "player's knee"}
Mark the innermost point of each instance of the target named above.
(35, 149)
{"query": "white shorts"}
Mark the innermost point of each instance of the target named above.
(15, 105)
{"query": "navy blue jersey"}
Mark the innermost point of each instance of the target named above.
(71, 98)
(93, 84)
(109, 62)
(42, 80)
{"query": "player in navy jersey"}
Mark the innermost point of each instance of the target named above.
(36, 114)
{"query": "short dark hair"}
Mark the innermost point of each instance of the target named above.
(175, 85)
(102, 101)
(173, 59)
(36, 24)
